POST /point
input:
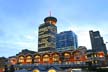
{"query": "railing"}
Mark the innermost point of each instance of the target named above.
(71, 65)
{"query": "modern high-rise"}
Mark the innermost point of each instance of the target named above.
(66, 40)
(97, 42)
(47, 35)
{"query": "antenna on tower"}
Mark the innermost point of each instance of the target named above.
(50, 13)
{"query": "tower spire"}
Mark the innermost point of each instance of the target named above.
(50, 13)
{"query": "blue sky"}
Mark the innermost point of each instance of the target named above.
(20, 19)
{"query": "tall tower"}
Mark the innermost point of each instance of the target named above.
(66, 40)
(97, 42)
(47, 35)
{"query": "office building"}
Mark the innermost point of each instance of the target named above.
(66, 40)
(97, 42)
(47, 35)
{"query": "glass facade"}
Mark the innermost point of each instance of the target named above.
(47, 37)
(97, 42)
(66, 40)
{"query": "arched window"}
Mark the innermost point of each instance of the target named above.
(21, 59)
(37, 58)
(29, 59)
(46, 58)
(36, 70)
(67, 55)
(55, 57)
(52, 70)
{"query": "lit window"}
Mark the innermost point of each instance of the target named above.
(36, 70)
(46, 58)
(55, 57)
(52, 70)
(67, 55)
(101, 56)
(95, 61)
(29, 59)
(37, 58)
(95, 55)
(21, 59)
